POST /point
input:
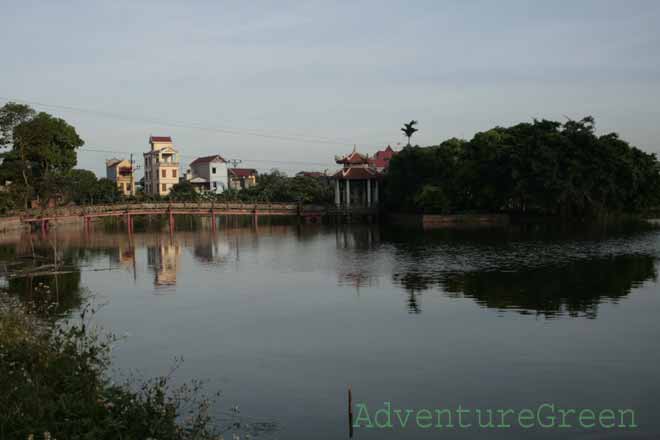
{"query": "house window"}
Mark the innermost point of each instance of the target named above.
(163, 187)
(215, 184)
(213, 170)
(174, 173)
(164, 173)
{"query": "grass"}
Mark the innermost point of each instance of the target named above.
(54, 385)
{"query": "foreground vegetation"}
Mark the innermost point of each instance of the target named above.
(543, 167)
(53, 384)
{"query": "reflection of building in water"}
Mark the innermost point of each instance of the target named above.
(164, 260)
(355, 263)
(122, 255)
(357, 237)
(210, 251)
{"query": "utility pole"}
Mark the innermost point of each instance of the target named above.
(133, 179)
(234, 162)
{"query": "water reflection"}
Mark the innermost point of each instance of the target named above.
(163, 259)
(575, 288)
(543, 275)
(547, 276)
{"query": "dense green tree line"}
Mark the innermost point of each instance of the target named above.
(542, 167)
(271, 187)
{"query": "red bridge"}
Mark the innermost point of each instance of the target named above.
(310, 213)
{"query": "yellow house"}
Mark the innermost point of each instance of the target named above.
(161, 166)
(242, 178)
(120, 171)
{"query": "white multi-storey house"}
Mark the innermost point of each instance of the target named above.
(209, 173)
(161, 166)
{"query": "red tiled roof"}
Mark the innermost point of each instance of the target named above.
(357, 173)
(310, 174)
(207, 159)
(242, 172)
(160, 139)
(353, 158)
(382, 158)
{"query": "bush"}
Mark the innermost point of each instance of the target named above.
(431, 200)
(53, 380)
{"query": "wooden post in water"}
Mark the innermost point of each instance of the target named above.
(213, 220)
(171, 222)
(86, 224)
(350, 412)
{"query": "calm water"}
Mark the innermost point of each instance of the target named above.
(283, 318)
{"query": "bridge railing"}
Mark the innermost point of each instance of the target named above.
(72, 211)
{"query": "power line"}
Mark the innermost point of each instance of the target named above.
(99, 150)
(224, 130)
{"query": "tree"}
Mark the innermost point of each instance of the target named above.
(80, 186)
(543, 167)
(183, 191)
(12, 115)
(106, 191)
(409, 129)
(43, 151)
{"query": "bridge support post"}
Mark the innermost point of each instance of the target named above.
(44, 227)
(87, 223)
(213, 225)
(129, 223)
(171, 223)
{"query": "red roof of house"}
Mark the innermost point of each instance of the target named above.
(160, 139)
(353, 158)
(382, 158)
(242, 172)
(310, 174)
(207, 159)
(357, 173)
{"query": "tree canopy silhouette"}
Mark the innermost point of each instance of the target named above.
(542, 167)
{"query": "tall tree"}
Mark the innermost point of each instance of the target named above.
(11, 115)
(43, 151)
(409, 129)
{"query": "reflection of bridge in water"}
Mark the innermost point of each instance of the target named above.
(309, 213)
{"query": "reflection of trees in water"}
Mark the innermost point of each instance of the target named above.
(574, 288)
(48, 279)
(414, 283)
(59, 294)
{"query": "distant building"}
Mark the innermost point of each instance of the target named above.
(314, 174)
(209, 173)
(242, 178)
(357, 184)
(161, 166)
(322, 177)
(381, 160)
(120, 171)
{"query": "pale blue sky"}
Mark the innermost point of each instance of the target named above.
(344, 72)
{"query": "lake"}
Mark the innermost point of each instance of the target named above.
(283, 318)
